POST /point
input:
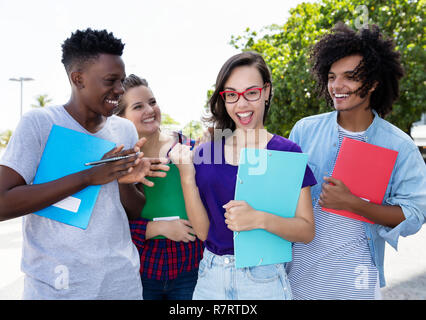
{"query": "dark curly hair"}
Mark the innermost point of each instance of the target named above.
(84, 45)
(380, 64)
(219, 116)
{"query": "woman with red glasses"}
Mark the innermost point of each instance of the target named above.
(239, 107)
(169, 251)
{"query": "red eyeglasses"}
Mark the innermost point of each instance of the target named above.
(252, 94)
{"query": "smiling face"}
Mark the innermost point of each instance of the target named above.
(142, 110)
(246, 114)
(342, 85)
(100, 83)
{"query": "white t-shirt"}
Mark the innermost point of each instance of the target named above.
(66, 262)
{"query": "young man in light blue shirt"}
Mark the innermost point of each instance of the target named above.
(358, 74)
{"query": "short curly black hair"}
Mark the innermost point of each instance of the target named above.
(84, 45)
(380, 64)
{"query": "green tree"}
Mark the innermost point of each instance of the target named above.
(286, 51)
(193, 130)
(168, 123)
(167, 119)
(4, 138)
(42, 101)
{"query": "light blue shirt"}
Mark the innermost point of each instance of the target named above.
(318, 136)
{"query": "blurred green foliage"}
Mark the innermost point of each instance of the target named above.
(167, 120)
(193, 130)
(4, 138)
(43, 100)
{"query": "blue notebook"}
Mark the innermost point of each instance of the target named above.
(269, 181)
(65, 153)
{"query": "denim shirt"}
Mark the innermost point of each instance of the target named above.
(318, 136)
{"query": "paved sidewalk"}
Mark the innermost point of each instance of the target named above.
(405, 270)
(11, 277)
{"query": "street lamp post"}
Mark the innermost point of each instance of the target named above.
(21, 80)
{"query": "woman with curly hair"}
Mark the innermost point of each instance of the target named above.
(358, 74)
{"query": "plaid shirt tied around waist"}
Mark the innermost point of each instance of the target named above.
(164, 259)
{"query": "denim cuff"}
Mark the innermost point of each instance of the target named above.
(409, 226)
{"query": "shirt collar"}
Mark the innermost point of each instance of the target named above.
(371, 128)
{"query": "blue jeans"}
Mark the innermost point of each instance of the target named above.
(180, 288)
(218, 279)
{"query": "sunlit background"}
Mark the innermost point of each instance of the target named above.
(178, 46)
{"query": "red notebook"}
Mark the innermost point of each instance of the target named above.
(365, 169)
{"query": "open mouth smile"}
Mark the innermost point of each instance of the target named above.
(148, 120)
(112, 102)
(340, 96)
(245, 117)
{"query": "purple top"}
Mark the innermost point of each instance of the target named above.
(216, 183)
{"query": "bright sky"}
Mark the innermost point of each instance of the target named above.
(178, 46)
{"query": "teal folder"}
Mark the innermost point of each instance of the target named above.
(65, 153)
(269, 181)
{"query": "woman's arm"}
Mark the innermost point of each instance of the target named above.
(195, 210)
(176, 230)
(240, 216)
(182, 157)
(301, 228)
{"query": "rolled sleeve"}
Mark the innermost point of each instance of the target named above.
(410, 225)
(138, 230)
(408, 191)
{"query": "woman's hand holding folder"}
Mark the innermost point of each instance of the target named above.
(240, 216)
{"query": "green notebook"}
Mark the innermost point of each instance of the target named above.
(165, 198)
